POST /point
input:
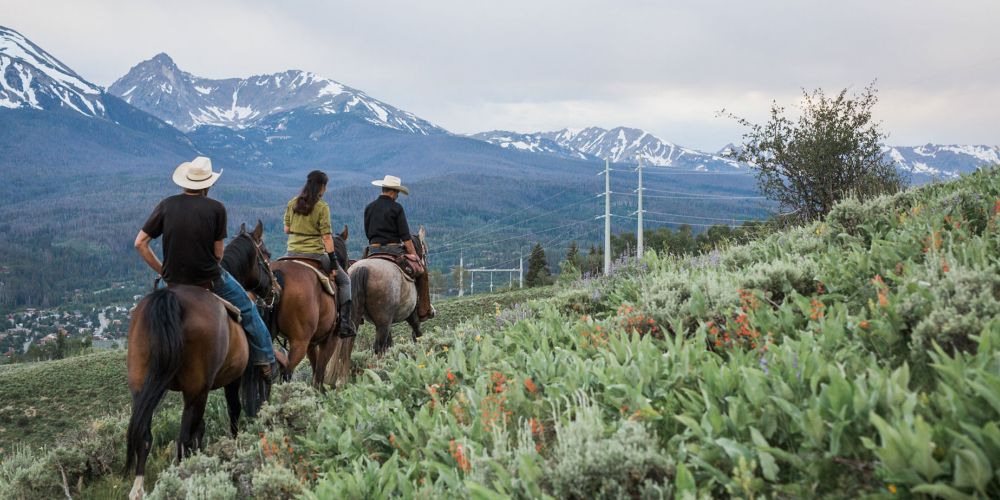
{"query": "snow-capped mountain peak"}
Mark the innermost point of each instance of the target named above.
(631, 145)
(30, 77)
(940, 161)
(187, 101)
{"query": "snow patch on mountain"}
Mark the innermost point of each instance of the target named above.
(532, 143)
(631, 145)
(159, 87)
(937, 161)
(32, 78)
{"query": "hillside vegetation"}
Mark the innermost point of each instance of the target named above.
(855, 356)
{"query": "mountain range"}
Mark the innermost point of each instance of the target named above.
(82, 166)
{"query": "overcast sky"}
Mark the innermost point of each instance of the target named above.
(474, 65)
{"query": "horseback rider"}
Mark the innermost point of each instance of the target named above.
(388, 232)
(193, 227)
(307, 223)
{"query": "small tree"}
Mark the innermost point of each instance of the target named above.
(831, 152)
(573, 255)
(538, 268)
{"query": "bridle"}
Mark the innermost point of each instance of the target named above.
(267, 293)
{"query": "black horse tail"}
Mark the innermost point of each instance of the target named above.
(254, 390)
(164, 319)
(359, 287)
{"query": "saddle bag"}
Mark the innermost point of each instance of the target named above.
(411, 265)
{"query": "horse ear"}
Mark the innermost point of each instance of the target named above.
(343, 235)
(422, 232)
(258, 230)
(243, 227)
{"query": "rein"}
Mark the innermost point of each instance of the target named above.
(267, 296)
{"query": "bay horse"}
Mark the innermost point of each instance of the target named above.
(306, 315)
(182, 338)
(384, 296)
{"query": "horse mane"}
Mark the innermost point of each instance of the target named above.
(237, 258)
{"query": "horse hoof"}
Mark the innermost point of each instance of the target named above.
(137, 493)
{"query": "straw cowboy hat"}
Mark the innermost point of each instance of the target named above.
(196, 174)
(391, 182)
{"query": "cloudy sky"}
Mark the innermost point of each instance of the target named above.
(665, 66)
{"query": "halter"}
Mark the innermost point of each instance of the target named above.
(267, 296)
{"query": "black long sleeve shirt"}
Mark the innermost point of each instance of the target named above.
(385, 222)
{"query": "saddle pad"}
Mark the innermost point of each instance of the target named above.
(390, 258)
(234, 312)
(323, 279)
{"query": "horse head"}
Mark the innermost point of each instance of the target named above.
(422, 238)
(340, 245)
(246, 258)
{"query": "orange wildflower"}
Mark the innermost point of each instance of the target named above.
(863, 324)
(459, 455)
(530, 385)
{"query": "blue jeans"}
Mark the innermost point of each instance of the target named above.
(259, 338)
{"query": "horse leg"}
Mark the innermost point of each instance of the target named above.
(383, 338)
(141, 455)
(414, 322)
(233, 404)
(194, 410)
(296, 352)
(311, 354)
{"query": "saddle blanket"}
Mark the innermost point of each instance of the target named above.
(324, 280)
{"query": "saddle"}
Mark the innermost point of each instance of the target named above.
(315, 265)
(234, 312)
(409, 264)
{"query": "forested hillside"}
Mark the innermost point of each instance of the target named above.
(853, 356)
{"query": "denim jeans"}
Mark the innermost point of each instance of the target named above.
(259, 338)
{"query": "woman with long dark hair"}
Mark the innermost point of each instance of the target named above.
(307, 223)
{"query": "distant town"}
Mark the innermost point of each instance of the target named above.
(36, 334)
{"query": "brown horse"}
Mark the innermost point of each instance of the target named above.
(181, 338)
(384, 296)
(306, 315)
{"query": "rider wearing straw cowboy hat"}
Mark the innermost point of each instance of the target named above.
(193, 227)
(388, 232)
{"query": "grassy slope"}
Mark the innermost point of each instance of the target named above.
(42, 401)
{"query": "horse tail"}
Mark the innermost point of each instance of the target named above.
(254, 390)
(164, 321)
(359, 287)
(339, 367)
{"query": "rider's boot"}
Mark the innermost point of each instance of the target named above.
(346, 325)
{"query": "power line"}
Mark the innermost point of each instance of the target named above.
(693, 196)
(664, 170)
(705, 218)
(470, 236)
(677, 223)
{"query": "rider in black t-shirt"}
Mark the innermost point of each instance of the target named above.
(193, 227)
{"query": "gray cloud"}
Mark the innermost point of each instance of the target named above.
(664, 66)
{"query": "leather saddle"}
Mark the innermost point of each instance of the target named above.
(409, 264)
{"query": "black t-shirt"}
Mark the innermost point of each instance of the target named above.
(190, 226)
(385, 222)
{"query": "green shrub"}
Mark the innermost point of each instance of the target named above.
(197, 477)
(589, 463)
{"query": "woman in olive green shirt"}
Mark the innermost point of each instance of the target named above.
(307, 223)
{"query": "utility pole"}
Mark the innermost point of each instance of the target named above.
(607, 217)
(491, 282)
(473, 292)
(461, 273)
(639, 235)
(520, 271)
